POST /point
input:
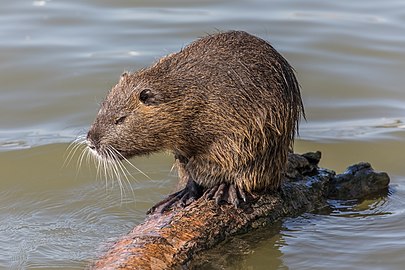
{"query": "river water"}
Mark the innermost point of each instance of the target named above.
(59, 58)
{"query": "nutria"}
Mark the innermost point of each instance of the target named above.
(227, 106)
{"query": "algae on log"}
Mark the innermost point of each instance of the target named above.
(169, 240)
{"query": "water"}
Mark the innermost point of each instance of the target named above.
(59, 58)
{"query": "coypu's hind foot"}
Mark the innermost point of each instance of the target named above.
(229, 193)
(190, 193)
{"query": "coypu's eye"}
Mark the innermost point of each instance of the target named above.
(120, 120)
(147, 97)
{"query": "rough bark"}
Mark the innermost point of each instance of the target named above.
(169, 240)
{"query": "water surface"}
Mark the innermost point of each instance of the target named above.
(58, 59)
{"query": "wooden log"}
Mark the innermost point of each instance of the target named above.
(169, 240)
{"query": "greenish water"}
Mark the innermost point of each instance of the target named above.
(58, 59)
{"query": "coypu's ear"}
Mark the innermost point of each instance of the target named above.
(124, 76)
(148, 97)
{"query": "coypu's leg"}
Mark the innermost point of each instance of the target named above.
(229, 193)
(190, 193)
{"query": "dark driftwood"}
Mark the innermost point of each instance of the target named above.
(170, 240)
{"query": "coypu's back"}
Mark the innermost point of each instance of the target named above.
(240, 104)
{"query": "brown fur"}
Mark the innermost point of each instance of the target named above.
(227, 106)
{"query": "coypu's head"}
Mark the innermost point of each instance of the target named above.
(131, 120)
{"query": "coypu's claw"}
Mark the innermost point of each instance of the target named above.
(190, 193)
(226, 193)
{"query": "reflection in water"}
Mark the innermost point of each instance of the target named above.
(259, 249)
(359, 232)
(364, 129)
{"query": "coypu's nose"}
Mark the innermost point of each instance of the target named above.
(90, 144)
(92, 139)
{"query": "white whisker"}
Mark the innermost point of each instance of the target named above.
(72, 149)
(172, 168)
(104, 167)
(98, 169)
(80, 161)
(109, 164)
(129, 163)
(120, 166)
(120, 169)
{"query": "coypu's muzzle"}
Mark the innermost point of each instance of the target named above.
(93, 141)
(101, 147)
(91, 145)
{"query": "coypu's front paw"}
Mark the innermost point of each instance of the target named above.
(190, 193)
(223, 192)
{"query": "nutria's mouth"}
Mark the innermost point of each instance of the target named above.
(108, 153)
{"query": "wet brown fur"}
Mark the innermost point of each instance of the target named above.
(227, 106)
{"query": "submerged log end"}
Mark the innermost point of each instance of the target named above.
(357, 182)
